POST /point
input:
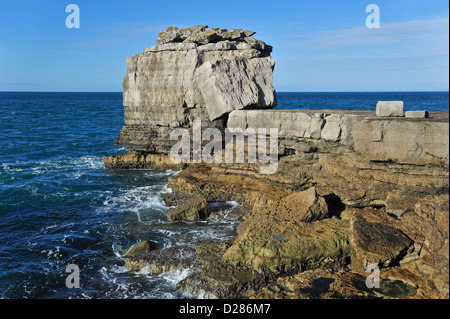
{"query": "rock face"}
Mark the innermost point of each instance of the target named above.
(133, 159)
(423, 141)
(198, 73)
(191, 210)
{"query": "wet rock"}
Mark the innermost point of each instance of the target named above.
(141, 247)
(219, 279)
(174, 258)
(192, 210)
(175, 199)
(201, 180)
(134, 159)
(222, 209)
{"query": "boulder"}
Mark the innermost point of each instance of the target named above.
(302, 206)
(389, 108)
(417, 114)
(227, 85)
(203, 38)
(141, 247)
(171, 34)
(376, 243)
(331, 131)
(191, 210)
(237, 34)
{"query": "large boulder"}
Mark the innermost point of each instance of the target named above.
(376, 243)
(228, 85)
(191, 210)
(303, 206)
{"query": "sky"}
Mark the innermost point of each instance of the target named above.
(319, 46)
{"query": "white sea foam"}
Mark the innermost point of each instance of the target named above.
(136, 199)
(174, 277)
(90, 162)
(117, 249)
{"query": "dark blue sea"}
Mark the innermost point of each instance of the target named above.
(59, 206)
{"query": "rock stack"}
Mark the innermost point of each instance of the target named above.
(198, 73)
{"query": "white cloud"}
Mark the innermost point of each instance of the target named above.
(406, 34)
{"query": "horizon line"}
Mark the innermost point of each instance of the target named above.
(401, 91)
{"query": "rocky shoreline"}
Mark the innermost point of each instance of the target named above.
(352, 189)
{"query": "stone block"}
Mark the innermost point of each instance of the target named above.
(416, 114)
(389, 108)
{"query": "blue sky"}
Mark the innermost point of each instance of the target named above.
(319, 45)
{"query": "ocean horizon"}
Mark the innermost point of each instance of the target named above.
(413, 100)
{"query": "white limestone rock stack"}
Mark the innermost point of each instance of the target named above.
(198, 73)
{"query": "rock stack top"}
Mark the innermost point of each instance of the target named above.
(202, 34)
(203, 38)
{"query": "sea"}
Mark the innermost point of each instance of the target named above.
(59, 207)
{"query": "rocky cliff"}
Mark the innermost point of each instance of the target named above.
(352, 189)
(197, 73)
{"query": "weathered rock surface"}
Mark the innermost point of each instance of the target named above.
(376, 243)
(303, 206)
(191, 210)
(226, 88)
(417, 114)
(418, 141)
(389, 108)
(276, 244)
(325, 284)
(133, 159)
(198, 73)
(291, 246)
(202, 34)
(201, 180)
(219, 279)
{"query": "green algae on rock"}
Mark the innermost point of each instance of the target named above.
(291, 246)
